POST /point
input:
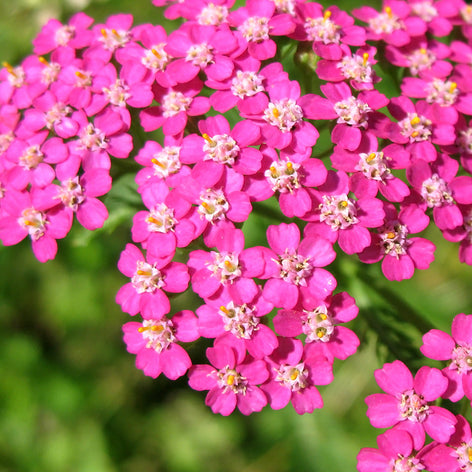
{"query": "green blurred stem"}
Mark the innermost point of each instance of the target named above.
(404, 310)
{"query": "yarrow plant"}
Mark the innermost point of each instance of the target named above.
(232, 139)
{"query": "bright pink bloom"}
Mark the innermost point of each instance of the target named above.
(256, 22)
(329, 30)
(394, 25)
(75, 34)
(407, 403)
(176, 104)
(353, 114)
(435, 183)
(371, 168)
(293, 266)
(401, 255)
(294, 372)
(344, 219)
(457, 349)
(233, 380)
(154, 341)
(37, 214)
(231, 269)
(395, 453)
(78, 195)
(150, 277)
(320, 322)
(240, 315)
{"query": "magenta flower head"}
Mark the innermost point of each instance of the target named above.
(395, 453)
(233, 380)
(407, 403)
(457, 350)
(155, 344)
(294, 374)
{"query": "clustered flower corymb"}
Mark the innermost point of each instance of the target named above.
(66, 112)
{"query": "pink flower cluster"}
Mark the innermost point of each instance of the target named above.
(239, 132)
(408, 406)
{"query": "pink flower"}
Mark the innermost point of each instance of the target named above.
(176, 104)
(353, 114)
(150, 277)
(395, 453)
(329, 30)
(75, 34)
(256, 22)
(231, 269)
(457, 350)
(294, 372)
(239, 314)
(344, 219)
(293, 266)
(435, 183)
(78, 195)
(154, 341)
(401, 255)
(36, 214)
(372, 168)
(320, 322)
(407, 403)
(233, 380)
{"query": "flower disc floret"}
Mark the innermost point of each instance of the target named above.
(246, 84)
(374, 166)
(113, 39)
(71, 193)
(461, 359)
(407, 464)
(385, 23)
(435, 191)
(50, 73)
(317, 325)
(174, 102)
(283, 176)
(34, 222)
(155, 58)
(213, 15)
(147, 278)
(199, 55)
(213, 206)
(464, 457)
(16, 75)
(166, 161)
(31, 157)
(413, 407)
(64, 34)
(161, 219)
(357, 68)
(56, 114)
(352, 111)
(425, 10)
(294, 268)
(420, 59)
(442, 92)
(338, 211)
(322, 29)
(286, 6)
(92, 139)
(415, 127)
(225, 266)
(255, 29)
(231, 380)
(117, 93)
(220, 148)
(393, 239)
(284, 114)
(158, 334)
(239, 319)
(293, 377)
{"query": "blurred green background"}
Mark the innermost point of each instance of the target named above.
(71, 399)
